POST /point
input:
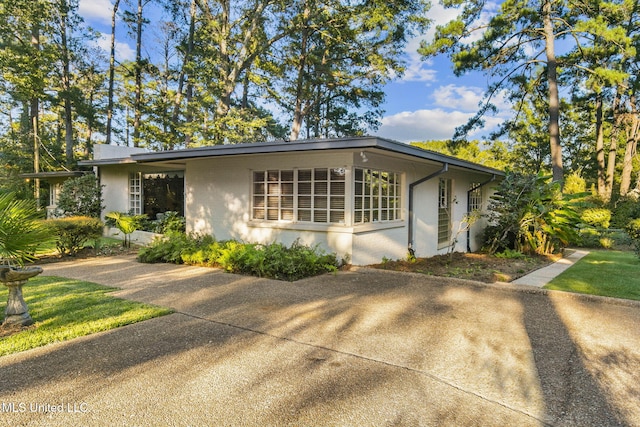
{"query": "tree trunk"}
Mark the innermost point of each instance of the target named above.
(600, 158)
(554, 98)
(137, 113)
(298, 115)
(112, 70)
(66, 86)
(633, 127)
(613, 145)
(34, 106)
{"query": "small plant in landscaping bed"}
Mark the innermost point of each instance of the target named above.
(169, 221)
(276, 261)
(127, 224)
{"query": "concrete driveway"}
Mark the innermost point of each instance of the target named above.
(359, 348)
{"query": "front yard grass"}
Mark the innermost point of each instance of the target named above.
(64, 309)
(607, 273)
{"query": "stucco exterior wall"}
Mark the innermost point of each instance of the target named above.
(115, 190)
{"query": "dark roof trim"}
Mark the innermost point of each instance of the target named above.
(274, 147)
(55, 174)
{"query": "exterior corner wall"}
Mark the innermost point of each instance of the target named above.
(115, 190)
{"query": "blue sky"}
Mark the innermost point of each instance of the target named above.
(428, 102)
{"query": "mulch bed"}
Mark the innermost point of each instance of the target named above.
(473, 266)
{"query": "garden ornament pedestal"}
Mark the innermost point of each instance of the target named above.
(14, 278)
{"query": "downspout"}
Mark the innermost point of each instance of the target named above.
(445, 168)
(493, 177)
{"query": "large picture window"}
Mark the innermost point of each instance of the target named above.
(376, 196)
(154, 193)
(303, 195)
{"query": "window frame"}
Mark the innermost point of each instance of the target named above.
(317, 196)
(377, 196)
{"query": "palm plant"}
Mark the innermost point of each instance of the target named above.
(126, 223)
(21, 231)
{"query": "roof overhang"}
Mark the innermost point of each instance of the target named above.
(281, 147)
(53, 175)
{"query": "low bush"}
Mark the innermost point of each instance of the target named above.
(73, 232)
(633, 230)
(167, 222)
(596, 217)
(275, 261)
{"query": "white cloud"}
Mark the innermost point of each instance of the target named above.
(459, 97)
(423, 125)
(124, 52)
(96, 10)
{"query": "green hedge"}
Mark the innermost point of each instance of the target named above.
(73, 232)
(276, 261)
(633, 230)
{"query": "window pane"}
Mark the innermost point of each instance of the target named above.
(272, 201)
(258, 214)
(337, 188)
(287, 202)
(337, 203)
(337, 216)
(319, 216)
(272, 214)
(320, 174)
(258, 188)
(287, 188)
(320, 188)
(258, 201)
(273, 175)
(304, 175)
(304, 202)
(320, 202)
(304, 188)
(337, 174)
(258, 176)
(274, 189)
(304, 215)
(287, 214)
(286, 176)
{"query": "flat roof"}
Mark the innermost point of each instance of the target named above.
(351, 143)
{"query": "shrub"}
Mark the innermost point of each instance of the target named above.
(633, 230)
(73, 232)
(167, 222)
(625, 209)
(596, 217)
(276, 261)
(81, 196)
(529, 213)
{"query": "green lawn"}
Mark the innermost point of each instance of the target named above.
(64, 309)
(606, 273)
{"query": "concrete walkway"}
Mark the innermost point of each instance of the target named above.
(544, 275)
(358, 348)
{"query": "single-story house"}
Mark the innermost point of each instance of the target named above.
(365, 198)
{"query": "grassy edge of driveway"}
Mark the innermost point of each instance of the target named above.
(66, 308)
(602, 272)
